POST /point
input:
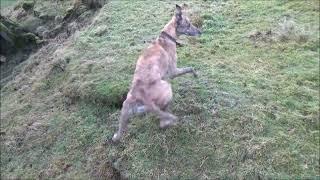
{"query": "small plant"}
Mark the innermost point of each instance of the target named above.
(288, 29)
(197, 20)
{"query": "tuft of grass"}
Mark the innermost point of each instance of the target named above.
(288, 30)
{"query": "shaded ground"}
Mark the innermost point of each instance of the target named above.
(252, 113)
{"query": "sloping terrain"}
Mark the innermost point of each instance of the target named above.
(252, 113)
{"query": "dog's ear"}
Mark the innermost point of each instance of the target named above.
(178, 13)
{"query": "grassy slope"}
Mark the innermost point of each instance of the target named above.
(266, 95)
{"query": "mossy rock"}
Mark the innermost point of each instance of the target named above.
(28, 5)
(31, 23)
(13, 37)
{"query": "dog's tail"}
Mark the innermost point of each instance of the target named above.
(138, 92)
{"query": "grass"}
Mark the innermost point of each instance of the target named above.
(252, 113)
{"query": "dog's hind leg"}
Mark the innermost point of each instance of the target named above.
(162, 98)
(182, 71)
(166, 119)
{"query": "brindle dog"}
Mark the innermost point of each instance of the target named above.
(150, 90)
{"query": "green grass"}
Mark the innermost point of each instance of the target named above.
(265, 93)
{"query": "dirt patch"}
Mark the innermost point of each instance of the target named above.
(261, 36)
(105, 170)
(101, 166)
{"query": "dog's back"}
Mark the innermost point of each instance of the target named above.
(151, 68)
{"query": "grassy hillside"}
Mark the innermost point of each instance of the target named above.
(252, 113)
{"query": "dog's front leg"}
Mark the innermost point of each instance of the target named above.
(182, 71)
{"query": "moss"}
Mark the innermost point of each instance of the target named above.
(3, 28)
(14, 38)
(112, 93)
(27, 5)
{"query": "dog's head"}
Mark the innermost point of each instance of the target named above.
(184, 25)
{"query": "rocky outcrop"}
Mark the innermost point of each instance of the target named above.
(13, 37)
(31, 24)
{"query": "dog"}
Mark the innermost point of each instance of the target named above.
(150, 90)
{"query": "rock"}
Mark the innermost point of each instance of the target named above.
(14, 37)
(36, 13)
(28, 5)
(31, 23)
(46, 17)
(94, 4)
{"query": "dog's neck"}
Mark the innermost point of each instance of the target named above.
(169, 32)
(170, 28)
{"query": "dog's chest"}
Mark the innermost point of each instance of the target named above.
(172, 64)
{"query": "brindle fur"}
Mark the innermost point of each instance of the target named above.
(150, 90)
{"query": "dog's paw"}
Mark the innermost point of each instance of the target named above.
(116, 138)
(109, 141)
(165, 123)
